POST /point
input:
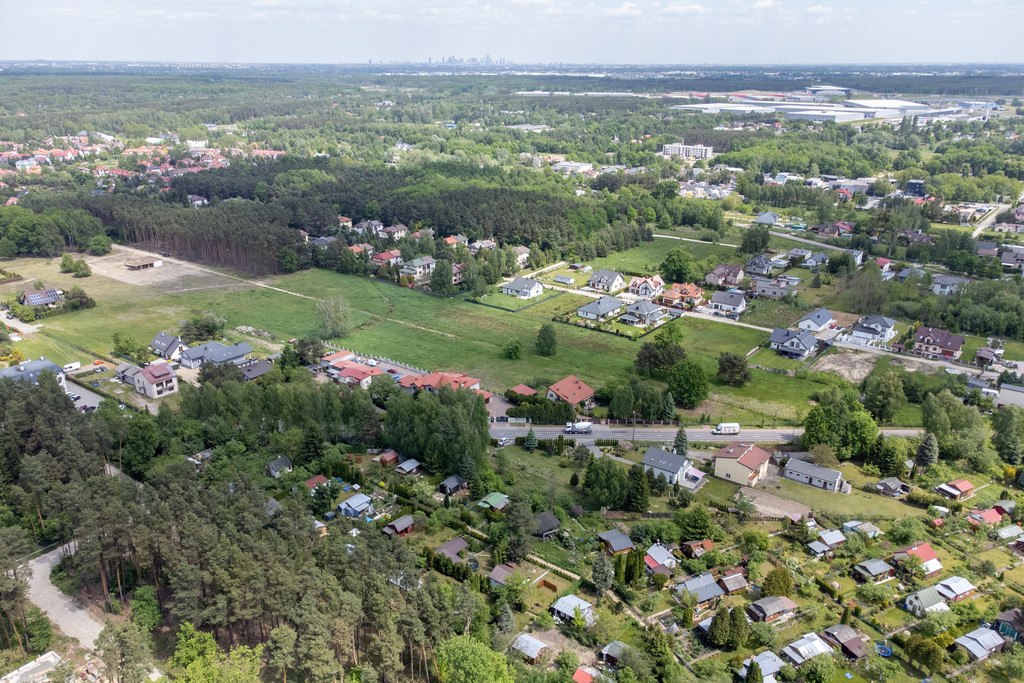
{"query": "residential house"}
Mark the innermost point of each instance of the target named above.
(981, 643)
(730, 302)
(767, 218)
(659, 555)
(216, 353)
(874, 571)
(771, 609)
(499, 576)
(278, 466)
(979, 517)
(767, 662)
(1012, 259)
(816, 260)
(1010, 624)
(944, 285)
(600, 309)
(816, 321)
(522, 255)
(409, 467)
(892, 487)
(833, 230)
(606, 281)
(763, 288)
(958, 489)
(863, 528)
(1005, 507)
(524, 390)
(931, 342)
(813, 475)
(798, 254)
(612, 652)
(955, 589)
(1010, 395)
(573, 391)
(703, 588)
(373, 227)
(908, 273)
(743, 463)
(856, 256)
(930, 565)
(725, 276)
(154, 381)
(925, 601)
(646, 287)
(529, 647)
(357, 375)
(433, 382)
(733, 582)
(874, 328)
(395, 232)
(588, 674)
(344, 223)
(848, 640)
(358, 506)
(419, 268)
(615, 542)
(167, 346)
(884, 264)
(125, 372)
(41, 297)
(643, 314)
(759, 265)
(565, 280)
(255, 368)
(565, 609)
(323, 242)
(675, 468)
(313, 483)
(403, 526)
(798, 345)
(547, 525)
(810, 645)
(391, 257)
(695, 549)
(522, 288)
(451, 549)
(494, 501)
(452, 485)
(833, 538)
(682, 295)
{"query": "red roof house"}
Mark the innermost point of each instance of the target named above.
(572, 390)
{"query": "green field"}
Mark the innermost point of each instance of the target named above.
(775, 313)
(770, 359)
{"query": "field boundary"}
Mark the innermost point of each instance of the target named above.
(512, 310)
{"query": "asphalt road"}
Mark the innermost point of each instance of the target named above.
(89, 398)
(699, 434)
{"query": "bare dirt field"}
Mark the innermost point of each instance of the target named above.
(767, 504)
(853, 366)
(172, 277)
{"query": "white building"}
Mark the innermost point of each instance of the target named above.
(681, 149)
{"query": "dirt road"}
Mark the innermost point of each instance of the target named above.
(73, 619)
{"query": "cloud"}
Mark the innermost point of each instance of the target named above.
(685, 8)
(626, 9)
(820, 9)
(764, 4)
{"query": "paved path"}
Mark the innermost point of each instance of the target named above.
(74, 620)
(989, 219)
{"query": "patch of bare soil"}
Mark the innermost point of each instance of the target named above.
(172, 277)
(853, 366)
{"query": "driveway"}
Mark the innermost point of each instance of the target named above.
(73, 619)
(22, 328)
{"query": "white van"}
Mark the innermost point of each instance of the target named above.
(371, 362)
(71, 367)
(727, 428)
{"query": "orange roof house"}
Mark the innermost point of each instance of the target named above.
(979, 517)
(524, 390)
(743, 463)
(679, 295)
(572, 390)
(435, 380)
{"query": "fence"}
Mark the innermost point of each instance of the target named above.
(379, 359)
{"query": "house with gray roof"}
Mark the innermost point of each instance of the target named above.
(767, 288)
(642, 314)
(662, 462)
(768, 662)
(278, 466)
(944, 285)
(499, 575)
(600, 309)
(908, 273)
(30, 371)
(767, 218)
(703, 588)
(980, 643)
(612, 652)
(615, 542)
(813, 475)
(771, 609)
(565, 609)
(729, 302)
(547, 524)
(874, 571)
(359, 505)
(606, 281)
(809, 646)
(40, 297)
(522, 288)
(452, 485)
(816, 321)
(924, 601)
(759, 265)
(793, 344)
(529, 647)
(873, 328)
(167, 346)
(216, 353)
(452, 548)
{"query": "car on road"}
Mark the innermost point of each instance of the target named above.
(97, 362)
(393, 371)
(73, 396)
(87, 409)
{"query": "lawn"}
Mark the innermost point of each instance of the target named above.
(768, 358)
(1013, 350)
(971, 346)
(775, 312)
(512, 303)
(859, 504)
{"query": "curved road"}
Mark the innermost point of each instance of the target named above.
(694, 434)
(74, 620)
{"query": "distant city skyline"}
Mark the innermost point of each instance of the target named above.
(519, 31)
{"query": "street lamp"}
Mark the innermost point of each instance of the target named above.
(634, 425)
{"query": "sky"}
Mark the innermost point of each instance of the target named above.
(522, 31)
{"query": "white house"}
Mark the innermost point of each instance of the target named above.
(793, 344)
(606, 281)
(873, 328)
(816, 321)
(730, 302)
(600, 309)
(523, 288)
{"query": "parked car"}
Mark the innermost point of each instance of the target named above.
(97, 362)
